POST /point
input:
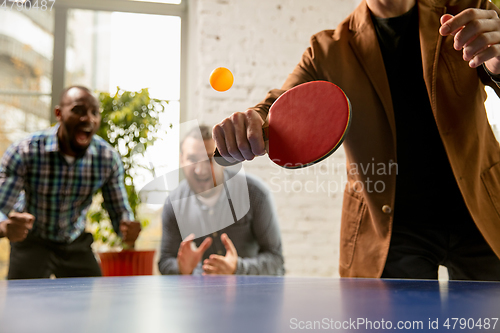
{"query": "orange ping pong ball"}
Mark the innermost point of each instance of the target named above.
(221, 79)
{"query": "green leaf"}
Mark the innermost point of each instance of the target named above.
(135, 118)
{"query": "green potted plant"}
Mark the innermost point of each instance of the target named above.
(129, 120)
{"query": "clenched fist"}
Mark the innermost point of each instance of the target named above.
(130, 231)
(17, 226)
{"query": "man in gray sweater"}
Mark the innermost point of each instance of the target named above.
(204, 232)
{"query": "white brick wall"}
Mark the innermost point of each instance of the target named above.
(261, 41)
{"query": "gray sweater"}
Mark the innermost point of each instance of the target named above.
(255, 235)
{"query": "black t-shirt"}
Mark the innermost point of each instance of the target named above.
(427, 193)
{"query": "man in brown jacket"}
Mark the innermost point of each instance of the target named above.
(415, 72)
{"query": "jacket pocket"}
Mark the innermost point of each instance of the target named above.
(464, 79)
(353, 210)
(491, 180)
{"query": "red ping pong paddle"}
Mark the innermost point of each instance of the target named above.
(306, 125)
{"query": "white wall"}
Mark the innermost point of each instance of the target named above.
(261, 41)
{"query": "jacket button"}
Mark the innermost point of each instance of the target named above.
(387, 209)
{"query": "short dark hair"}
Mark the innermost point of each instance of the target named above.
(65, 92)
(206, 134)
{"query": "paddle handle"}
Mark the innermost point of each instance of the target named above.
(223, 162)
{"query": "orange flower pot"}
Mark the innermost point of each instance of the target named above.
(126, 263)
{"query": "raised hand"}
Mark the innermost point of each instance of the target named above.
(477, 33)
(227, 264)
(189, 255)
(17, 226)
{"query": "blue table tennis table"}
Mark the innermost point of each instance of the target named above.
(234, 304)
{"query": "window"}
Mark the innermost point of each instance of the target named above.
(106, 50)
(26, 44)
(96, 43)
(88, 42)
(162, 1)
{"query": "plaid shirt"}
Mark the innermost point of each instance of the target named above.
(57, 193)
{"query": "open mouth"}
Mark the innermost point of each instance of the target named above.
(83, 135)
(206, 182)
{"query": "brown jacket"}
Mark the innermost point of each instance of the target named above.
(350, 57)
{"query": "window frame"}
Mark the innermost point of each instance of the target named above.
(61, 8)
